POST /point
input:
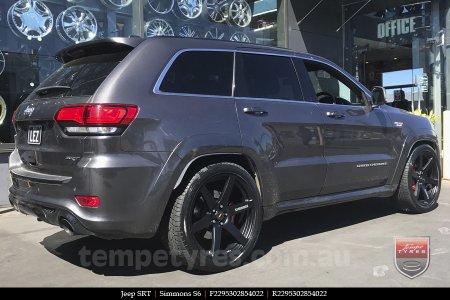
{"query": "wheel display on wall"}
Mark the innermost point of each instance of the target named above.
(3, 110)
(158, 27)
(240, 13)
(214, 34)
(188, 9)
(188, 32)
(240, 37)
(116, 4)
(218, 10)
(30, 18)
(2, 62)
(76, 24)
(161, 6)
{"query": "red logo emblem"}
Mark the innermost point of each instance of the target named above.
(412, 256)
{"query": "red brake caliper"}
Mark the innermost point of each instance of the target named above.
(414, 187)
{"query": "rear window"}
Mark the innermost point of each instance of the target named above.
(83, 76)
(200, 73)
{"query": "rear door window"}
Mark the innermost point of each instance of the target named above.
(200, 73)
(266, 77)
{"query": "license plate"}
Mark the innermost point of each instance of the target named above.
(34, 135)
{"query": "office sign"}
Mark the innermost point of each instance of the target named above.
(397, 27)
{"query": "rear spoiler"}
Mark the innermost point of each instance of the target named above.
(98, 47)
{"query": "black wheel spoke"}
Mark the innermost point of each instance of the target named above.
(420, 162)
(209, 199)
(415, 175)
(226, 193)
(239, 208)
(216, 239)
(203, 223)
(235, 233)
(425, 192)
(432, 181)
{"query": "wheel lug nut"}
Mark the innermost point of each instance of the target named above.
(221, 206)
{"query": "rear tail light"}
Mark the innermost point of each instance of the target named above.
(88, 201)
(96, 119)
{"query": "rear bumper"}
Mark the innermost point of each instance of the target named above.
(132, 188)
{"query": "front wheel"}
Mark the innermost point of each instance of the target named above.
(215, 223)
(421, 181)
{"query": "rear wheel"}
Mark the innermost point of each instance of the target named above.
(215, 223)
(421, 181)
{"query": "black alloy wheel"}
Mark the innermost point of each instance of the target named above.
(420, 185)
(215, 223)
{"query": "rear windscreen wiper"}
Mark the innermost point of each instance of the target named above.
(51, 89)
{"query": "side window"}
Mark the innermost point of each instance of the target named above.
(200, 73)
(266, 77)
(332, 87)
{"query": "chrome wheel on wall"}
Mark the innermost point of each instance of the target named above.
(116, 4)
(3, 110)
(188, 32)
(421, 182)
(240, 37)
(76, 24)
(158, 27)
(218, 10)
(30, 18)
(188, 9)
(161, 6)
(2, 62)
(240, 13)
(214, 34)
(215, 223)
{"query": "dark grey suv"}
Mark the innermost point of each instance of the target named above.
(201, 141)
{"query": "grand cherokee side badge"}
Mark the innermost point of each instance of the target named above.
(398, 124)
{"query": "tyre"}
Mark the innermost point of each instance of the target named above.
(420, 185)
(215, 223)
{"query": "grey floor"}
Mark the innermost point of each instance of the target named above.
(345, 245)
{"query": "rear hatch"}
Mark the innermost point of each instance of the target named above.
(42, 143)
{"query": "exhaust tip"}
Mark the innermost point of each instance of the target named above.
(66, 226)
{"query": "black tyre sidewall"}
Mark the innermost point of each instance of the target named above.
(206, 263)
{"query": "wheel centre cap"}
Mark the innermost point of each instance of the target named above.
(219, 216)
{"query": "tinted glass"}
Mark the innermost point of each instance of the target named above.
(266, 76)
(83, 76)
(201, 73)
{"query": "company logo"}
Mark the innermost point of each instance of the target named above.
(28, 111)
(412, 256)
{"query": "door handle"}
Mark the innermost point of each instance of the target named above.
(255, 111)
(335, 115)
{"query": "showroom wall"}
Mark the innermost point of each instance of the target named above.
(32, 31)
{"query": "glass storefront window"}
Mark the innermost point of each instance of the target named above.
(392, 48)
(32, 31)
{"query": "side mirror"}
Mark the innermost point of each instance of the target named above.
(378, 96)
